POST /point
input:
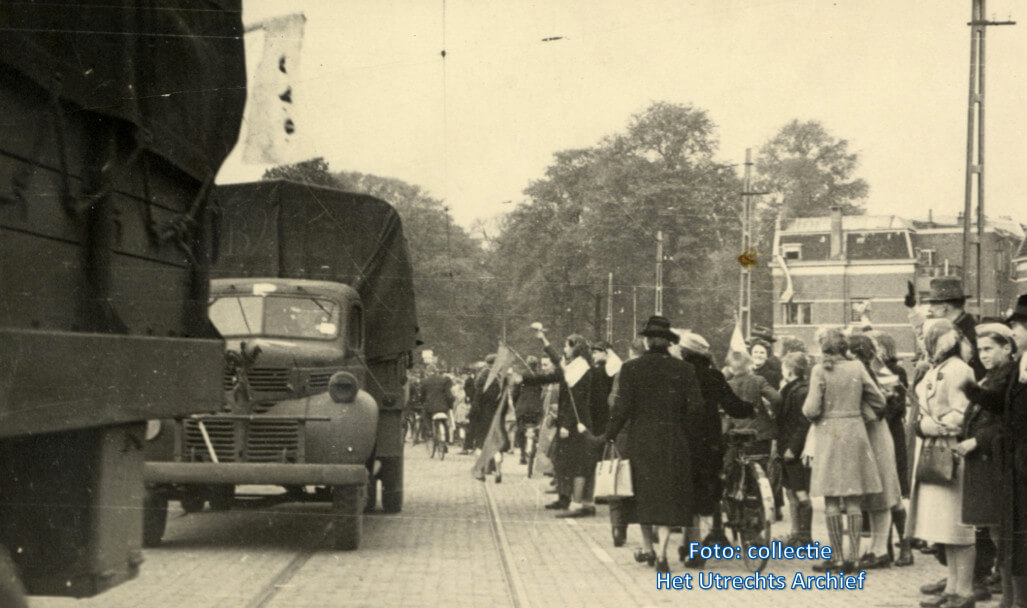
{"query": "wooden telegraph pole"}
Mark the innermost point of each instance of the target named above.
(975, 130)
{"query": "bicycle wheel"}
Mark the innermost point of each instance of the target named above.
(529, 454)
(429, 442)
(757, 511)
(440, 439)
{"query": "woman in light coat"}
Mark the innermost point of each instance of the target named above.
(936, 508)
(844, 469)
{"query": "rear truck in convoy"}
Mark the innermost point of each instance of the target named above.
(313, 293)
(116, 119)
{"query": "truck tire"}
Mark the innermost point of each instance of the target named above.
(347, 516)
(155, 517)
(221, 498)
(392, 484)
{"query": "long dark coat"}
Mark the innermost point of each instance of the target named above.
(602, 384)
(660, 397)
(982, 505)
(708, 444)
(575, 455)
(1010, 402)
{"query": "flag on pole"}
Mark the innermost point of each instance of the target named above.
(273, 133)
(789, 292)
(737, 340)
(504, 360)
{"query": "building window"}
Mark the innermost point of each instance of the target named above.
(925, 257)
(856, 310)
(797, 313)
(791, 251)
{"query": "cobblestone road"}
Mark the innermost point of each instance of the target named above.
(458, 543)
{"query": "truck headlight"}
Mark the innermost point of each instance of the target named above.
(152, 429)
(343, 387)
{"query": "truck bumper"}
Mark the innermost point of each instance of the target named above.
(254, 473)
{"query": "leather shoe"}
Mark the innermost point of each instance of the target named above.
(934, 588)
(937, 602)
(558, 505)
(662, 566)
(956, 601)
(620, 536)
(645, 557)
(871, 561)
(580, 512)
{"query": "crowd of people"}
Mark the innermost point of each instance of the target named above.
(928, 454)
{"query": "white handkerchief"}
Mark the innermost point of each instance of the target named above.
(573, 371)
(613, 364)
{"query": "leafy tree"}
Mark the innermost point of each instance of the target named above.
(597, 210)
(808, 171)
(448, 263)
(313, 171)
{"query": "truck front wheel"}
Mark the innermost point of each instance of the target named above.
(155, 517)
(347, 516)
(391, 475)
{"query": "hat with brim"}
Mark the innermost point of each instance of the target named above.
(1020, 311)
(763, 333)
(945, 289)
(659, 327)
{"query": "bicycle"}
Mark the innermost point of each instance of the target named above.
(747, 504)
(440, 428)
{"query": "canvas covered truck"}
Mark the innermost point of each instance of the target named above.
(313, 292)
(116, 117)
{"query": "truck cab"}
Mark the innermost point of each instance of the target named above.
(294, 413)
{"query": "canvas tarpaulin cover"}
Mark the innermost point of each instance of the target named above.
(291, 230)
(175, 70)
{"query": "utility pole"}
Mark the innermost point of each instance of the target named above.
(975, 126)
(659, 272)
(609, 309)
(748, 257)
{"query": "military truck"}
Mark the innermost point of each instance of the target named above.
(116, 119)
(313, 292)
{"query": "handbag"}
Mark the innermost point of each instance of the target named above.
(613, 475)
(938, 461)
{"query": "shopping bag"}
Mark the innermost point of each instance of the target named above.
(937, 463)
(613, 475)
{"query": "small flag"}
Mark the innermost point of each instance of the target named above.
(737, 340)
(273, 134)
(504, 359)
(789, 292)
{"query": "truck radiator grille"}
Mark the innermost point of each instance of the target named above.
(270, 379)
(319, 381)
(222, 437)
(273, 441)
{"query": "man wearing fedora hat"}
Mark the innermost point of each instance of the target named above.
(947, 300)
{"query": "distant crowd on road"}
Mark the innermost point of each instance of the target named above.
(934, 450)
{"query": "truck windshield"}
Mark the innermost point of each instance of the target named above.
(280, 316)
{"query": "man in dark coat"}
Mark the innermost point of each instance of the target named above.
(792, 428)
(437, 396)
(660, 397)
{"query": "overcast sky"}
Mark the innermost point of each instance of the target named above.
(889, 76)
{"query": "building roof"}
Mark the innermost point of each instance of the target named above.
(850, 223)
(1003, 226)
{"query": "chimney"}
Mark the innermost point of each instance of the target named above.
(836, 233)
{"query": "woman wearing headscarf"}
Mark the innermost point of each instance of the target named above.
(879, 505)
(936, 507)
(841, 395)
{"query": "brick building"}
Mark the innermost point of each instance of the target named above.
(843, 270)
